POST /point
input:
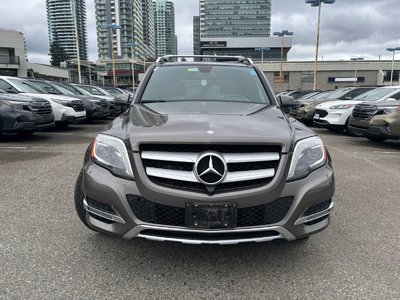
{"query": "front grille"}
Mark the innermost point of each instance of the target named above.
(248, 166)
(317, 208)
(364, 111)
(321, 113)
(266, 214)
(77, 105)
(40, 107)
(155, 213)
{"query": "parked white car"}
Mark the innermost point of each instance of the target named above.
(65, 109)
(335, 115)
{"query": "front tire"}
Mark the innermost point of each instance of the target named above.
(78, 197)
(376, 138)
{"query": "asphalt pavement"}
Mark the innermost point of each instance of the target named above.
(46, 253)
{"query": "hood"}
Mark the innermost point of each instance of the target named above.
(51, 96)
(205, 122)
(18, 97)
(328, 104)
(381, 103)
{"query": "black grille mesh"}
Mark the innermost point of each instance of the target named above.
(155, 213)
(321, 113)
(364, 111)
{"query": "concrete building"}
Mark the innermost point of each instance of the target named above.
(230, 27)
(164, 17)
(12, 53)
(299, 75)
(196, 35)
(232, 18)
(135, 18)
(61, 18)
(47, 72)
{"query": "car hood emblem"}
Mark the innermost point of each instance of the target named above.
(210, 169)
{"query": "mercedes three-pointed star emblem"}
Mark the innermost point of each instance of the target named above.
(210, 168)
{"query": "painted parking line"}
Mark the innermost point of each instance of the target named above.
(13, 148)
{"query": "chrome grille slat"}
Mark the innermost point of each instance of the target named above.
(230, 177)
(172, 174)
(191, 157)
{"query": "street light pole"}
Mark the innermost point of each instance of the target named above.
(78, 56)
(133, 45)
(262, 49)
(282, 35)
(394, 54)
(356, 59)
(318, 3)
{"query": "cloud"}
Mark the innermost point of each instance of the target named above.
(348, 28)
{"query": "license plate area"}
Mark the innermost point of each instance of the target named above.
(211, 216)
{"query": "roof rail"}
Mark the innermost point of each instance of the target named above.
(220, 58)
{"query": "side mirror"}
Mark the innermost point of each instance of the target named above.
(285, 101)
(347, 98)
(123, 99)
(391, 100)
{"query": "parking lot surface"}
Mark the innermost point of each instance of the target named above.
(46, 253)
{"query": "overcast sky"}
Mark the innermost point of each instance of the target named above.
(350, 28)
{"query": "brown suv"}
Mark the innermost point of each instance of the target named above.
(204, 155)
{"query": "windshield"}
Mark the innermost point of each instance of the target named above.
(205, 82)
(339, 93)
(92, 90)
(375, 94)
(27, 87)
(64, 90)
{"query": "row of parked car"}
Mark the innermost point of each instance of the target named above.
(373, 112)
(28, 105)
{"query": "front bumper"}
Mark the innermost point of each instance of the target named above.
(26, 121)
(303, 115)
(336, 118)
(112, 192)
(76, 117)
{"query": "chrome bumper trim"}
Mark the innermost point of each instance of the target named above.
(316, 216)
(282, 234)
(101, 213)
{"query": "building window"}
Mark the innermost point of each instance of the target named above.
(285, 77)
(307, 76)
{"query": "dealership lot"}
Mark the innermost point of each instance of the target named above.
(47, 253)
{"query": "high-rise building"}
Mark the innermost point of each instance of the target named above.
(164, 17)
(196, 35)
(125, 39)
(232, 18)
(133, 21)
(232, 27)
(61, 19)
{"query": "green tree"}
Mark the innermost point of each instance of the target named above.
(57, 54)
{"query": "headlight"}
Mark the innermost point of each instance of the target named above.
(343, 106)
(110, 153)
(59, 101)
(389, 110)
(309, 154)
(13, 104)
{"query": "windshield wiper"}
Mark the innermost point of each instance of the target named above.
(153, 101)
